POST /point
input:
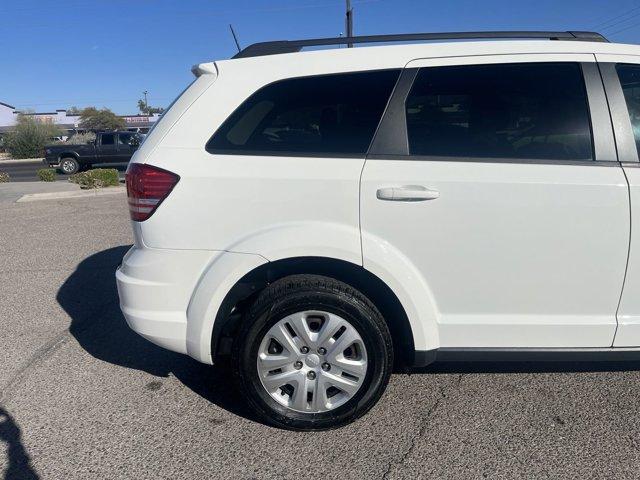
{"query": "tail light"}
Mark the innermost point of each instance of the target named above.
(147, 187)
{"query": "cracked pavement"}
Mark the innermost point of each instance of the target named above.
(81, 396)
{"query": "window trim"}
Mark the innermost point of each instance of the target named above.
(310, 154)
(283, 153)
(523, 161)
(623, 131)
(392, 139)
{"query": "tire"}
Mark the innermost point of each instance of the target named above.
(69, 165)
(328, 305)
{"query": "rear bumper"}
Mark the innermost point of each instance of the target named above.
(155, 287)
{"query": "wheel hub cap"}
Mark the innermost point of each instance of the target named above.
(297, 377)
(312, 360)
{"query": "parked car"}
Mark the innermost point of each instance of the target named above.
(320, 216)
(108, 147)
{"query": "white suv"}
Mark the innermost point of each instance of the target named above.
(321, 216)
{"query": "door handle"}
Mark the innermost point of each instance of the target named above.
(407, 193)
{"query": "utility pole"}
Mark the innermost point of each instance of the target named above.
(348, 22)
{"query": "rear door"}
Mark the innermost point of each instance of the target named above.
(107, 148)
(497, 178)
(621, 75)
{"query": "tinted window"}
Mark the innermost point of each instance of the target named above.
(534, 110)
(108, 139)
(124, 138)
(630, 80)
(326, 114)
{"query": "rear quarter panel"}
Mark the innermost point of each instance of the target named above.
(273, 206)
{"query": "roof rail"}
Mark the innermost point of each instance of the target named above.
(292, 46)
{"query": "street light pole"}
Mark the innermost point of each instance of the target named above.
(146, 105)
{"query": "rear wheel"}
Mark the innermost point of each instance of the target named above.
(69, 165)
(312, 354)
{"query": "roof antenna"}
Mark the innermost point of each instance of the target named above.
(235, 39)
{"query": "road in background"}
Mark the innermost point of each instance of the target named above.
(82, 396)
(25, 171)
(21, 171)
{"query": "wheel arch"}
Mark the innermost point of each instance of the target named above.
(241, 295)
(69, 154)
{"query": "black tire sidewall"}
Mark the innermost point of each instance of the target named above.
(360, 315)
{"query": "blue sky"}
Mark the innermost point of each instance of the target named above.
(58, 53)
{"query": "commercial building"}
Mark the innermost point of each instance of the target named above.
(69, 122)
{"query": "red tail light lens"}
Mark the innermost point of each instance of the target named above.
(147, 187)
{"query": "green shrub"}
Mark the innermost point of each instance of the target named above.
(28, 137)
(98, 178)
(4, 177)
(47, 175)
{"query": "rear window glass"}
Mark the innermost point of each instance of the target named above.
(328, 114)
(511, 111)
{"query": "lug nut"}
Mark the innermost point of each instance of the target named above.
(311, 375)
(304, 349)
(326, 367)
(322, 350)
(297, 365)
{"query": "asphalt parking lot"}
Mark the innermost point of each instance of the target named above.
(81, 396)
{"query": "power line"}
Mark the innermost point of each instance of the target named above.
(621, 21)
(636, 24)
(79, 102)
(29, 26)
(601, 24)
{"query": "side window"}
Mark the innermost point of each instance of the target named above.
(124, 138)
(328, 114)
(630, 80)
(511, 111)
(108, 139)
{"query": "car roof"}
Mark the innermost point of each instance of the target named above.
(291, 46)
(315, 62)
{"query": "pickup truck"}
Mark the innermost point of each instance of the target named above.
(108, 147)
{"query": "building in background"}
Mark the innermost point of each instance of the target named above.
(70, 123)
(7, 116)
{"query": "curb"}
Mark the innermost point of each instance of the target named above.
(98, 192)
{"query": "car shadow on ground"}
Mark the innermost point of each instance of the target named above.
(19, 462)
(90, 298)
